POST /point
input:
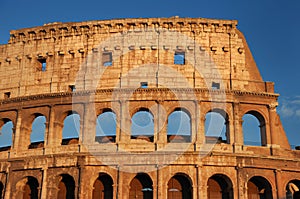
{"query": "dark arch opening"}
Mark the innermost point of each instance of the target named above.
(1, 190)
(293, 189)
(179, 126)
(103, 187)
(71, 129)
(217, 127)
(37, 135)
(259, 187)
(106, 127)
(219, 186)
(6, 134)
(254, 129)
(180, 187)
(142, 125)
(141, 187)
(30, 190)
(66, 187)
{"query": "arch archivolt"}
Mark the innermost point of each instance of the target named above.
(188, 172)
(62, 111)
(92, 174)
(262, 110)
(268, 175)
(8, 115)
(206, 107)
(107, 106)
(29, 114)
(135, 106)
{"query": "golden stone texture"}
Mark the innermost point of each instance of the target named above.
(94, 66)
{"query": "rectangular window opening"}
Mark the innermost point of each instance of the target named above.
(107, 58)
(144, 84)
(72, 88)
(6, 95)
(179, 58)
(43, 64)
(215, 85)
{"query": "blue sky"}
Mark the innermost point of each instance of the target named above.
(271, 28)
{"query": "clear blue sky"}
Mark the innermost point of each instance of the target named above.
(271, 27)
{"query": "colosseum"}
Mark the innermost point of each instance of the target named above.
(140, 108)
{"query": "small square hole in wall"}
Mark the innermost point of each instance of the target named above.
(72, 88)
(6, 95)
(215, 85)
(144, 84)
(179, 58)
(43, 64)
(107, 58)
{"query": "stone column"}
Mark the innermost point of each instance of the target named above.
(161, 129)
(200, 138)
(272, 121)
(125, 123)
(199, 182)
(238, 128)
(240, 189)
(18, 145)
(88, 125)
(44, 184)
(280, 188)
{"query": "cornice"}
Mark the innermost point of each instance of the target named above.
(234, 93)
(59, 29)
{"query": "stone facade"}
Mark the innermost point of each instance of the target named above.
(190, 66)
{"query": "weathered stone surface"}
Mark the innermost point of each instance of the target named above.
(126, 66)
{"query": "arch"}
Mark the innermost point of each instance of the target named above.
(38, 129)
(27, 188)
(217, 126)
(179, 126)
(259, 188)
(66, 187)
(141, 187)
(254, 129)
(71, 128)
(142, 125)
(6, 134)
(219, 186)
(293, 189)
(103, 187)
(106, 127)
(180, 187)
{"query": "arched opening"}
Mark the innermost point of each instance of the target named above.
(30, 190)
(179, 126)
(38, 129)
(27, 188)
(103, 187)
(259, 188)
(141, 187)
(219, 187)
(180, 187)
(254, 129)
(1, 190)
(217, 127)
(6, 134)
(106, 127)
(71, 129)
(66, 187)
(293, 189)
(142, 125)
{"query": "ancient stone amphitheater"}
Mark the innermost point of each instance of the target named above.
(139, 108)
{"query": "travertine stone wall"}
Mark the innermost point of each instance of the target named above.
(214, 49)
(127, 65)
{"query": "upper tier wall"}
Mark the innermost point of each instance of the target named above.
(54, 57)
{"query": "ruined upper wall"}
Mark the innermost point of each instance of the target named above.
(54, 57)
